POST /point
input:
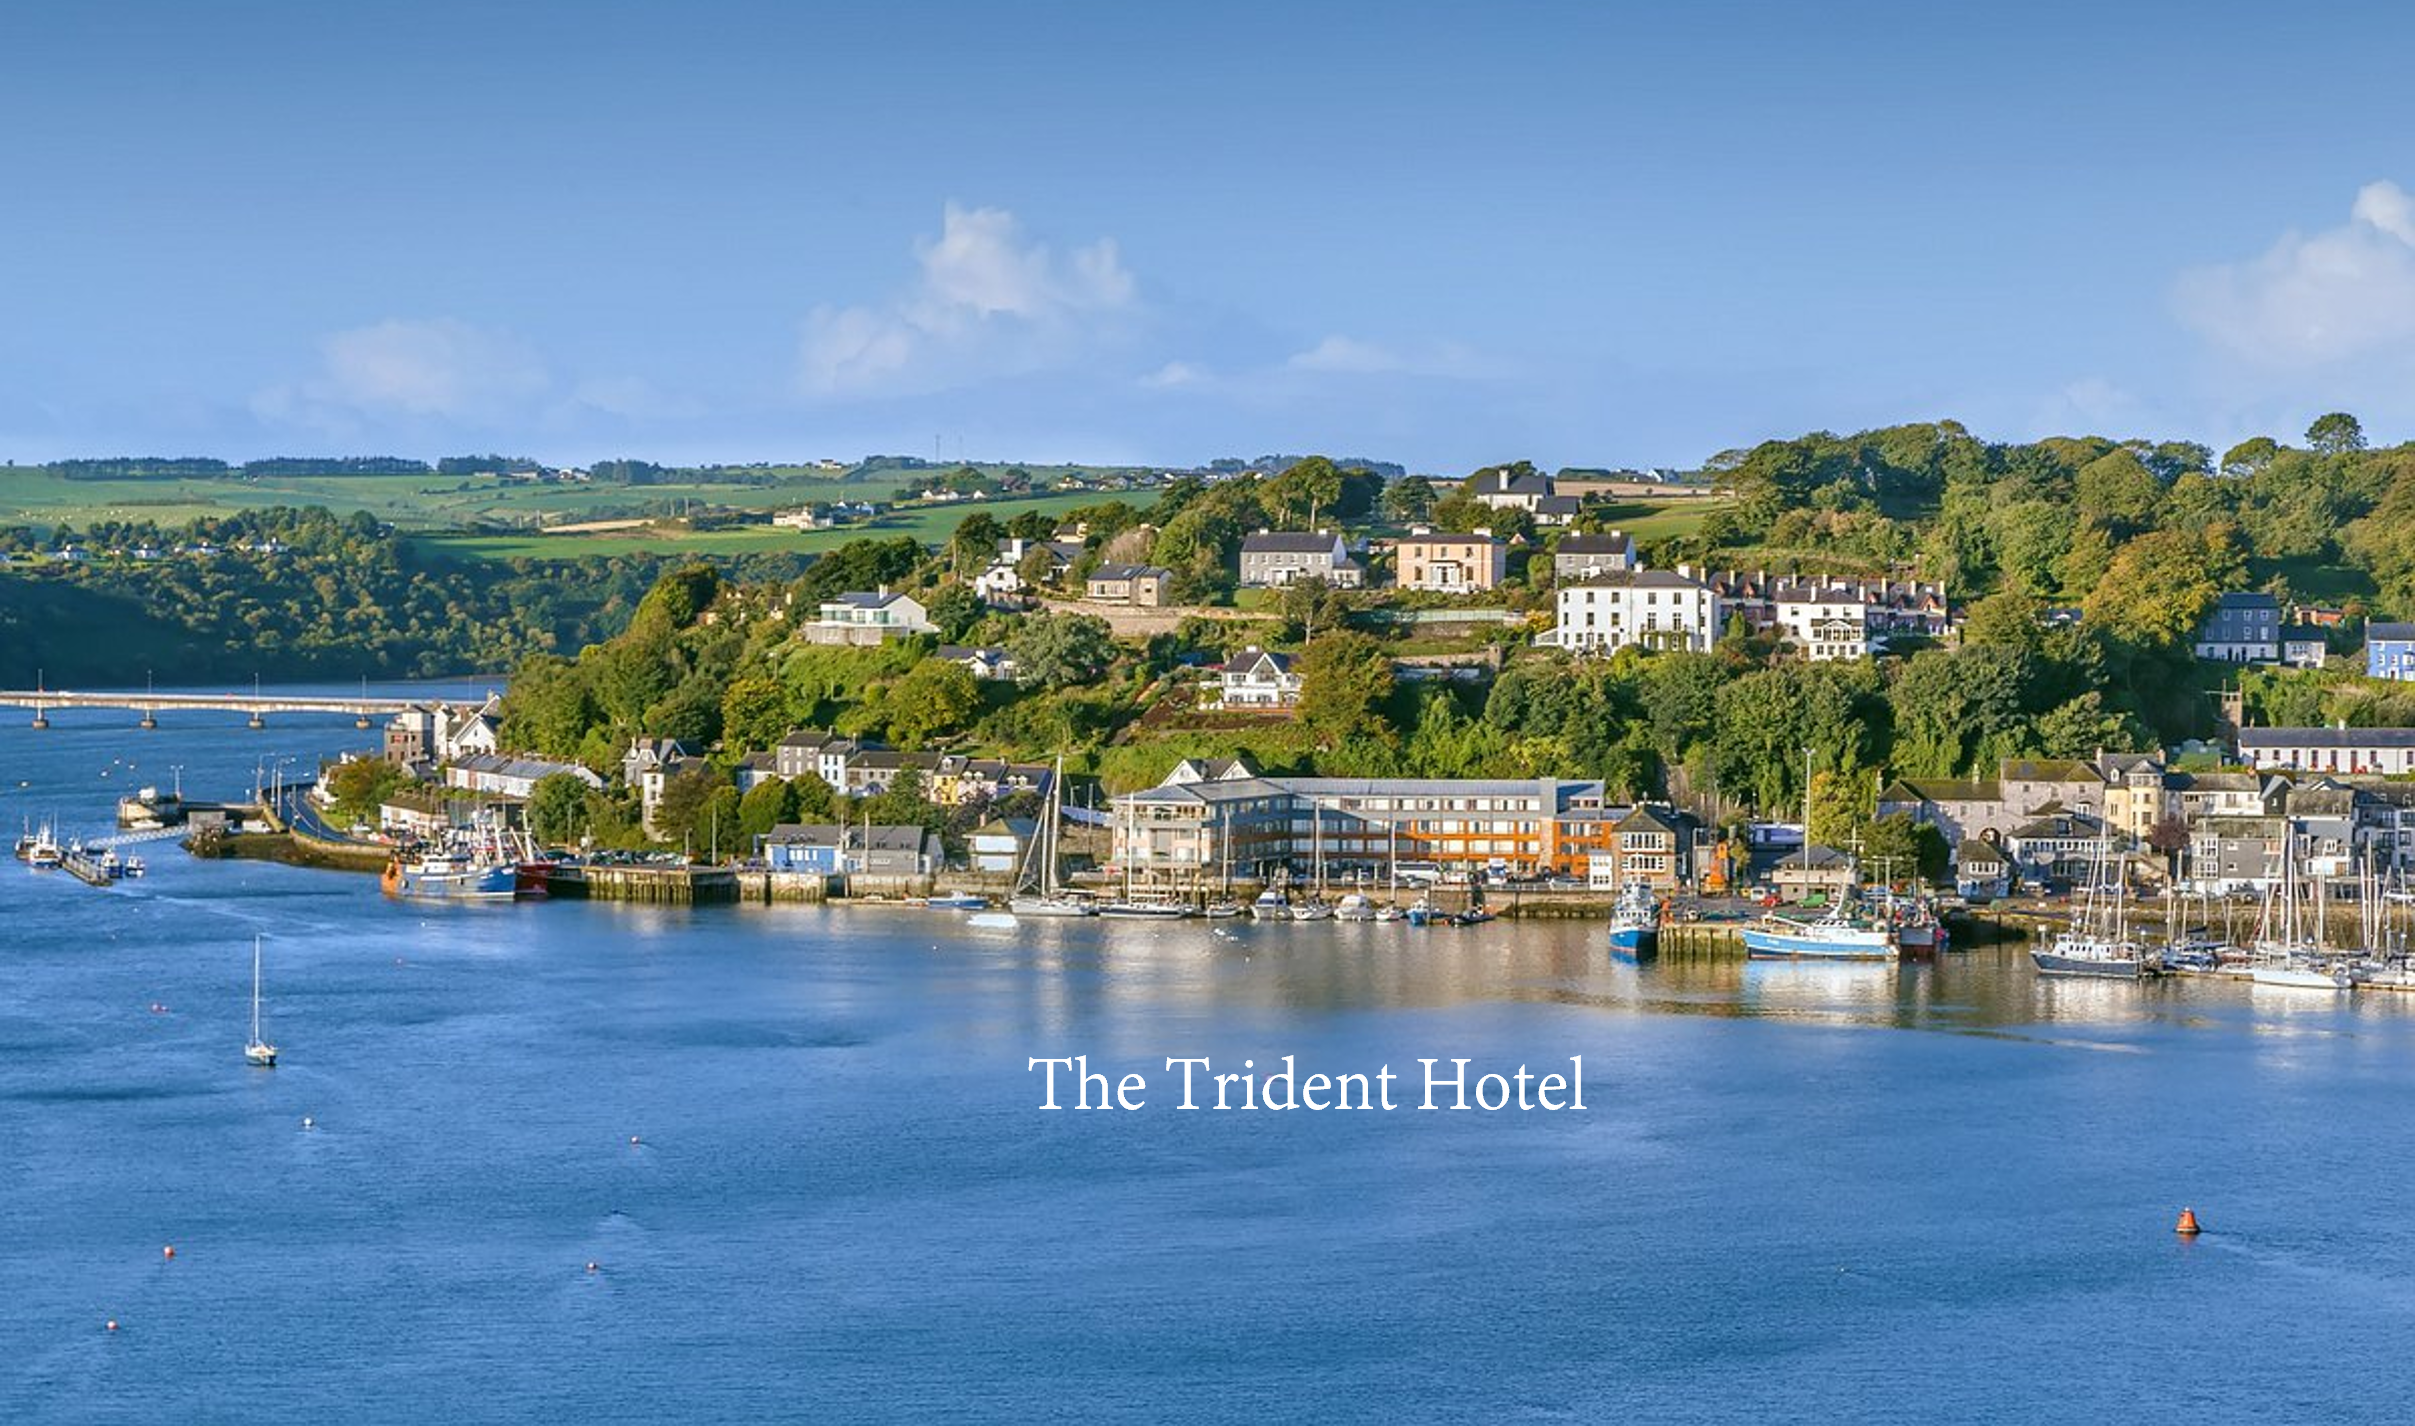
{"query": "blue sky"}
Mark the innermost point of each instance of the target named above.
(1447, 235)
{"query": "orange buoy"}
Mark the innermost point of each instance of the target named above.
(112, 1324)
(168, 1251)
(2187, 1226)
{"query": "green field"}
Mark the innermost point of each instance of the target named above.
(1648, 520)
(930, 525)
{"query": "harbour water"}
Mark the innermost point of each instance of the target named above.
(801, 1147)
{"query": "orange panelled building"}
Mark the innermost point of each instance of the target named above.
(1217, 818)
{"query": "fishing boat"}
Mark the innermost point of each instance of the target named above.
(449, 874)
(1835, 936)
(1037, 890)
(1421, 913)
(45, 853)
(257, 1051)
(1635, 923)
(2097, 943)
(134, 866)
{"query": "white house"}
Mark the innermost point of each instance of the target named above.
(1255, 678)
(1656, 609)
(501, 776)
(857, 617)
(1504, 491)
(1823, 621)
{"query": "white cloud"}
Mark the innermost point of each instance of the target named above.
(985, 302)
(1174, 374)
(430, 368)
(2315, 299)
(1353, 356)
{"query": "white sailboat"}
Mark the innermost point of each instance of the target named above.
(1037, 892)
(2286, 955)
(258, 1051)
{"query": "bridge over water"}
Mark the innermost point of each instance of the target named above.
(362, 709)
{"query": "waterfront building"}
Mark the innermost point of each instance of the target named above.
(875, 617)
(1200, 827)
(645, 755)
(1140, 585)
(1255, 678)
(2303, 646)
(1814, 871)
(842, 849)
(2390, 652)
(1441, 562)
(1981, 871)
(1579, 557)
(995, 848)
(1272, 559)
(2241, 628)
(1655, 609)
(2138, 794)
(2336, 750)
(2060, 849)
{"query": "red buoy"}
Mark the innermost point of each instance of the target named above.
(112, 1324)
(168, 1251)
(2187, 1226)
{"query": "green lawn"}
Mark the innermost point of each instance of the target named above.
(1648, 520)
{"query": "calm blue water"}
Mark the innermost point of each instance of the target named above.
(1815, 1193)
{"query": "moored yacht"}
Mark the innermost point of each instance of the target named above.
(1635, 922)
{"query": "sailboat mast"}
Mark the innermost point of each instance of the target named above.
(255, 990)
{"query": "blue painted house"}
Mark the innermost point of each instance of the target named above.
(2390, 651)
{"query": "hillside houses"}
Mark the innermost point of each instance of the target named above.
(1254, 679)
(1274, 559)
(869, 617)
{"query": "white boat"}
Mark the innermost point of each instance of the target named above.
(1271, 905)
(1389, 913)
(45, 853)
(957, 901)
(258, 1051)
(1312, 911)
(1145, 909)
(2287, 954)
(1354, 907)
(1037, 892)
(1223, 910)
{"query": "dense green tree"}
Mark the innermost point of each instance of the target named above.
(1409, 500)
(557, 808)
(766, 805)
(754, 712)
(2335, 434)
(932, 701)
(1060, 650)
(1345, 682)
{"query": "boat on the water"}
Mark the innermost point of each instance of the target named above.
(2289, 952)
(1354, 907)
(257, 1051)
(957, 901)
(1037, 889)
(1635, 923)
(1835, 936)
(1145, 909)
(445, 874)
(45, 853)
(2097, 943)
(1421, 913)
(1222, 910)
(1271, 905)
(1312, 911)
